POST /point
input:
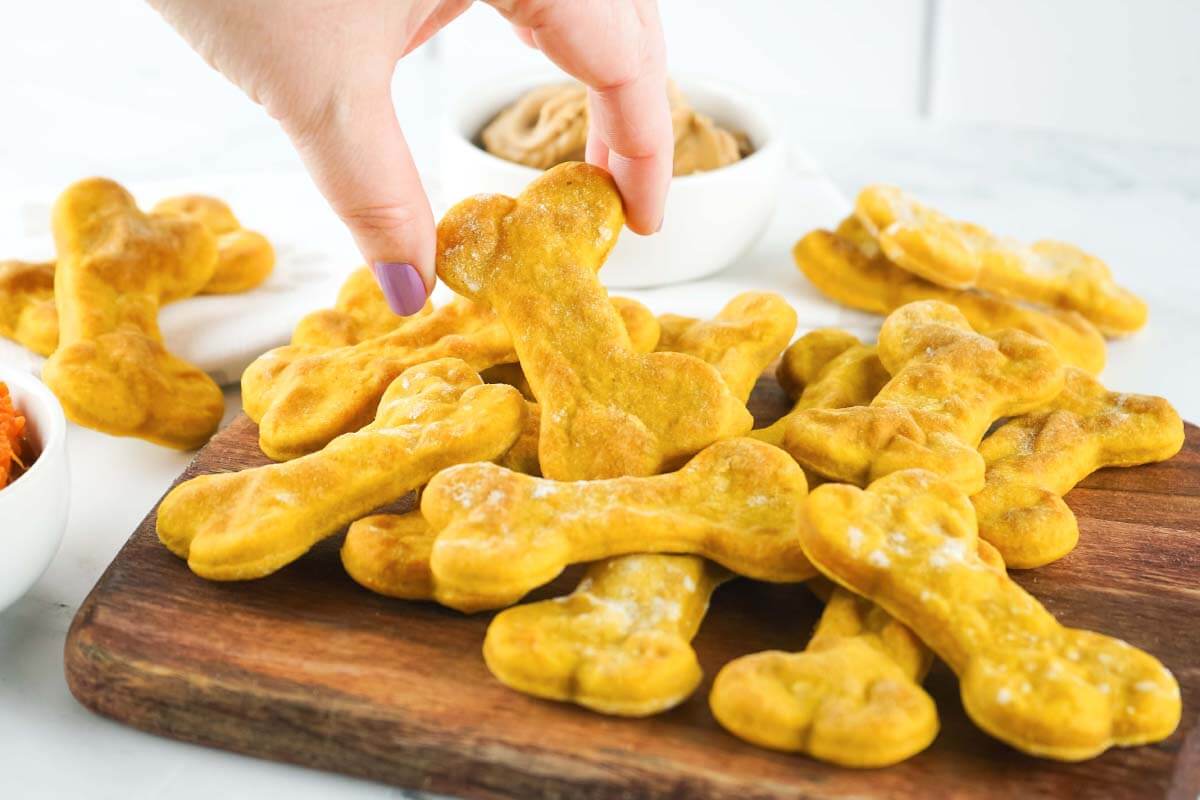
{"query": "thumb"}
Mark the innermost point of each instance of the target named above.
(356, 153)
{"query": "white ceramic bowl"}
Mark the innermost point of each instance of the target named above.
(33, 508)
(712, 218)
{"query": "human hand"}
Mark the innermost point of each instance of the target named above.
(324, 70)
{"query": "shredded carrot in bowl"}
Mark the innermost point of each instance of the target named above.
(12, 430)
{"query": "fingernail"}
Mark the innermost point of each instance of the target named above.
(660, 224)
(402, 287)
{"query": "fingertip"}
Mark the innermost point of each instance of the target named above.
(403, 286)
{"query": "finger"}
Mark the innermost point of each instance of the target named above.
(525, 35)
(596, 151)
(617, 49)
(356, 153)
(639, 155)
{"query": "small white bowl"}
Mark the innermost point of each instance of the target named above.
(33, 508)
(712, 218)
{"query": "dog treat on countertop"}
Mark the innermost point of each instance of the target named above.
(961, 255)
(848, 267)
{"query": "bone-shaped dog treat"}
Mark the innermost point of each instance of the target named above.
(27, 313)
(852, 697)
(245, 258)
(241, 525)
(960, 255)
(115, 265)
(500, 534)
(389, 554)
(740, 341)
(949, 384)
(908, 543)
(1032, 461)
(302, 398)
(606, 409)
(361, 312)
(619, 644)
(825, 368)
(848, 267)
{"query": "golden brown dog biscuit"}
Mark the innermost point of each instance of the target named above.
(303, 397)
(361, 312)
(1032, 461)
(961, 255)
(825, 368)
(852, 697)
(245, 258)
(848, 267)
(389, 554)
(740, 341)
(949, 385)
(909, 544)
(500, 534)
(619, 644)
(115, 265)
(27, 313)
(241, 525)
(606, 409)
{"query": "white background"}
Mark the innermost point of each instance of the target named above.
(1074, 119)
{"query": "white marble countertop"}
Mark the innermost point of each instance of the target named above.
(1137, 206)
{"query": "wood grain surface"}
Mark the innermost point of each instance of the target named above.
(307, 667)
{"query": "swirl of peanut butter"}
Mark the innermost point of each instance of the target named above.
(548, 125)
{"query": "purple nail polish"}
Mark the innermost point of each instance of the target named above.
(402, 286)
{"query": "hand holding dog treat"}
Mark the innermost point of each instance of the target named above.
(241, 525)
(619, 644)
(606, 409)
(244, 258)
(848, 267)
(115, 266)
(501, 534)
(949, 384)
(747, 335)
(960, 255)
(825, 368)
(27, 313)
(909, 544)
(1032, 461)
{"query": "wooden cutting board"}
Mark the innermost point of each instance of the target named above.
(307, 667)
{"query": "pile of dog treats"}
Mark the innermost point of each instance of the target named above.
(547, 424)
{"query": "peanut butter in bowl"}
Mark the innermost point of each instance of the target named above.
(548, 125)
